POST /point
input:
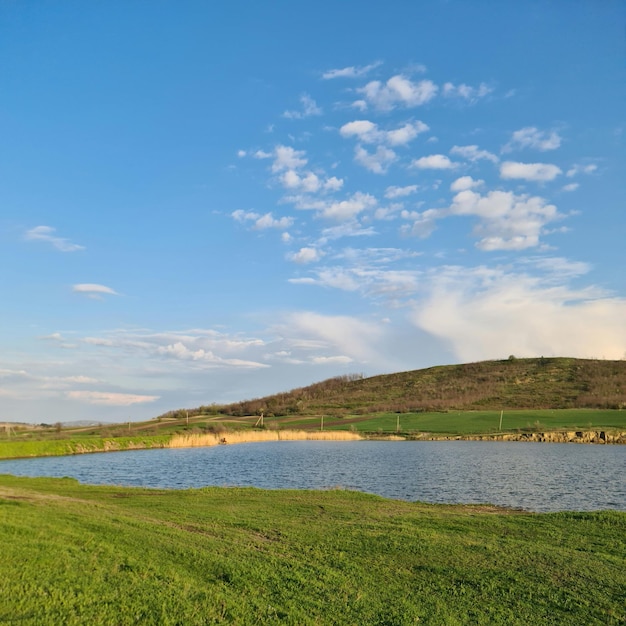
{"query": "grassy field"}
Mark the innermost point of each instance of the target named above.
(480, 422)
(67, 444)
(76, 554)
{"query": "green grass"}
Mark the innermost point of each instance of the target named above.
(16, 448)
(480, 422)
(76, 554)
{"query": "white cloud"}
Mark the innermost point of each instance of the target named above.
(306, 255)
(351, 72)
(368, 132)
(261, 222)
(286, 158)
(110, 399)
(473, 153)
(46, 233)
(309, 108)
(539, 172)
(307, 183)
(465, 182)
(400, 192)
(348, 336)
(471, 94)
(532, 137)
(434, 162)
(398, 90)
(350, 208)
(424, 223)
(93, 290)
(333, 184)
(507, 221)
(331, 360)
(378, 162)
(581, 169)
(489, 313)
(571, 187)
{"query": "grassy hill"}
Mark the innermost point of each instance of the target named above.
(540, 383)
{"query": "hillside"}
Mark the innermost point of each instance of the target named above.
(539, 383)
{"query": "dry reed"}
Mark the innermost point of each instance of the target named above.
(248, 436)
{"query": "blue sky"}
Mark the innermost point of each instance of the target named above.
(205, 202)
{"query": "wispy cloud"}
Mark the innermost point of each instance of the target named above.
(351, 71)
(46, 233)
(109, 398)
(532, 137)
(466, 92)
(93, 290)
(262, 222)
(308, 108)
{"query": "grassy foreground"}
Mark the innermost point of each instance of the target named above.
(77, 554)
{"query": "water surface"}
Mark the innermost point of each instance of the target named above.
(531, 476)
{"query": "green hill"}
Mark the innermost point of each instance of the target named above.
(539, 383)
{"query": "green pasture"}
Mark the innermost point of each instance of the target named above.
(481, 422)
(76, 554)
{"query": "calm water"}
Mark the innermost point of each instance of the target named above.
(532, 476)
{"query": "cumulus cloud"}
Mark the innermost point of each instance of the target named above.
(487, 313)
(532, 137)
(306, 255)
(309, 182)
(377, 162)
(507, 221)
(538, 172)
(369, 132)
(465, 182)
(93, 290)
(46, 233)
(351, 71)
(287, 158)
(398, 91)
(309, 108)
(571, 187)
(473, 153)
(433, 162)
(350, 208)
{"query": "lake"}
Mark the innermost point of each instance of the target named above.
(532, 476)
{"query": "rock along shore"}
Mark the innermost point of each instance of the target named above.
(571, 436)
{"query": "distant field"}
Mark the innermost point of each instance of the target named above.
(76, 554)
(479, 422)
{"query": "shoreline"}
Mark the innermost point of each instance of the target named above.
(69, 448)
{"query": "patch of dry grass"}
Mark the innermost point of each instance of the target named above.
(248, 436)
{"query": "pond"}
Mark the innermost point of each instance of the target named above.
(532, 476)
